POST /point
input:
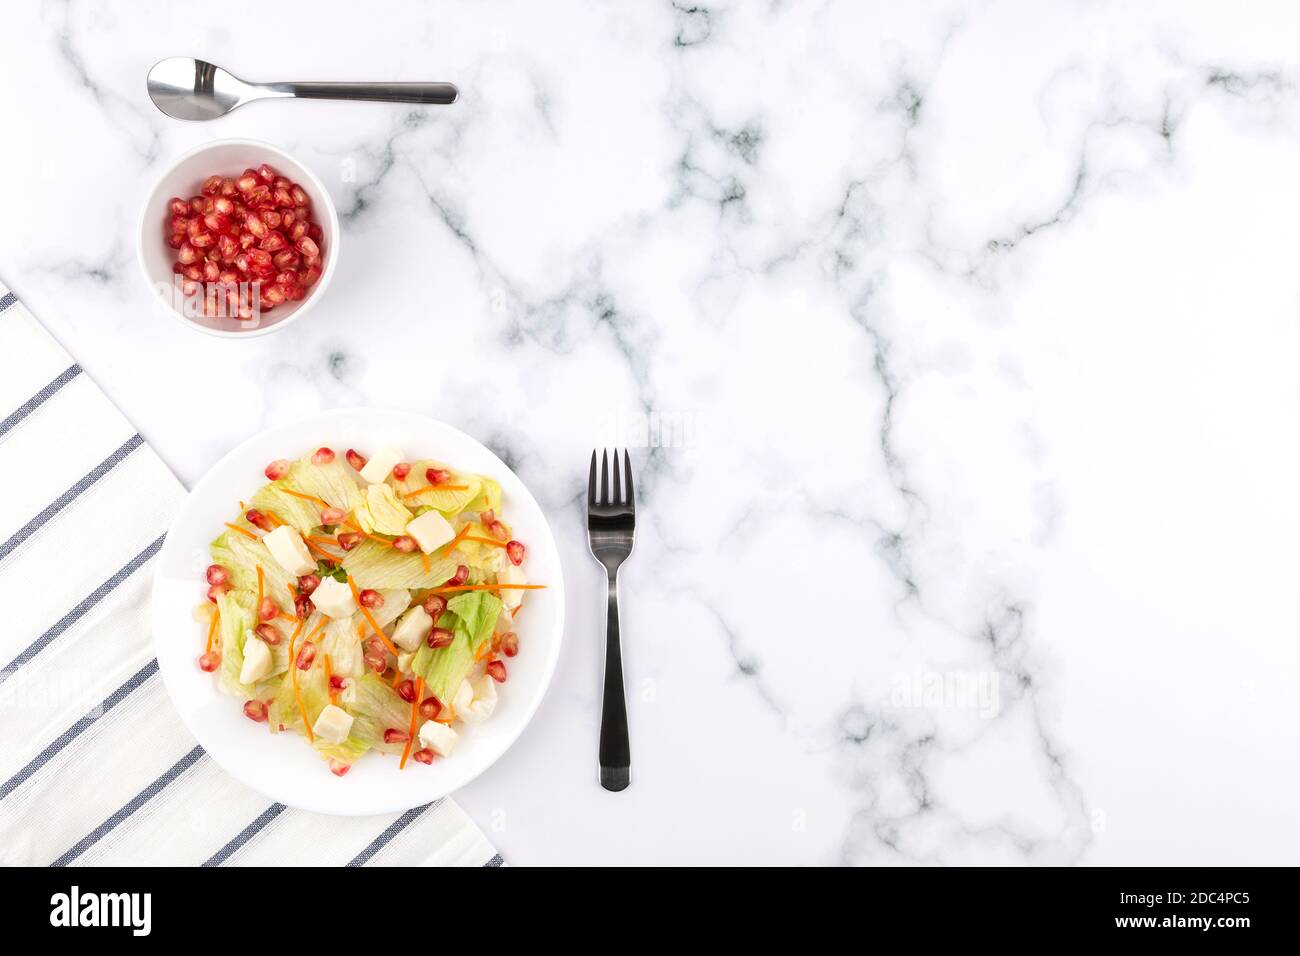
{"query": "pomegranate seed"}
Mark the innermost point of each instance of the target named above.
(430, 708)
(515, 552)
(311, 275)
(211, 271)
(223, 206)
(267, 633)
(256, 517)
(255, 226)
(308, 654)
(509, 643)
(439, 637)
(211, 186)
(196, 206)
(278, 469)
(209, 661)
(330, 516)
(371, 598)
(423, 755)
(338, 767)
(176, 241)
(217, 574)
(487, 517)
(498, 530)
(216, 591)
(308, 583)
(404, 543)
(323, 456)
(272, 218)
(497, 671)
(437, 476)
(266, 173)
(394, 736)
(337, 682)
(460, 577)
(178, 207)
(303, 607)
(308, 247)
(298, 230)
(401, 470)
(186, 253)
(299, 195)
(273, 296)
(217, 222)
(434, 605)
(268, 610)
(286, 260)
(349, 539)
(406, 690)
(255, 710)
(377, 664)
(246, 183)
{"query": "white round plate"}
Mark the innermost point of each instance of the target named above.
(284, 767)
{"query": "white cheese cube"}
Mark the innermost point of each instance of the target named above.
(430, 531)
(257, 659)
(439, 738)
(463, 699)
(413, 628)
(333, 725)
(380, 464)
(511, 597)
(483, 703)
(404, 661)
(334, 599)
(289, 550)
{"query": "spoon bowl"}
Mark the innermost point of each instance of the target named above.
(189, 89)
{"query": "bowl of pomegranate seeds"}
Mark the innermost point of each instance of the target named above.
(238, 238)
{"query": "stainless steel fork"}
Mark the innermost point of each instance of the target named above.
(611, 521)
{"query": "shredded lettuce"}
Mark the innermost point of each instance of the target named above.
(236, 610)
(483, 557)
(315, 696)
(376, 708)
(340, 640)
(381, 513)
(472, 617)
(240, 555)
(446, 501)
(332, 483)
(375, 565)
(489, 495)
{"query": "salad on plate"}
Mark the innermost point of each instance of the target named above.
(365, 604)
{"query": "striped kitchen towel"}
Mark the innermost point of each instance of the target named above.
(95, 767)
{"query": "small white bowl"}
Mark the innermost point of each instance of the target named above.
(229, 157)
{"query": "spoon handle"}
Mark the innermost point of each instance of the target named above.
(440, 93)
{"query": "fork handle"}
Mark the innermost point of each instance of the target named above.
(615, 752)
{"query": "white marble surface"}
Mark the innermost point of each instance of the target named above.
(971, 332)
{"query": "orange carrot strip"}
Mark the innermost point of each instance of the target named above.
(488, 587)
(319, 550)
(420, 491)
(451, 545)
(244, 531)
(258, 606)
(492, 541)
(212, 629)
(415, 717)
(298, 494)
(328, 675)
(275, 518)
(424, 560)
(365, 611)
(293, 677)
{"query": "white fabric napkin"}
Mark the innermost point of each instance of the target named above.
(95, 766)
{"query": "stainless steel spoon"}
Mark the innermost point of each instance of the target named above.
(191, 89)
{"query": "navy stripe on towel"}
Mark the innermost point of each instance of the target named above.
(40, 398)
(7, 300)
(394, 828)
(80, 610)
(77, 729)
(71, 495)
(246, 834)
(130, 807)
(497, 860)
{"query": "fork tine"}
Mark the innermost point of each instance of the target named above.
(618, 497)
(627, 476)
(591, 482)
(604, 478)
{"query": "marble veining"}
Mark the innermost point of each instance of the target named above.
(955, 344)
